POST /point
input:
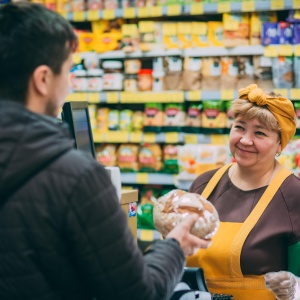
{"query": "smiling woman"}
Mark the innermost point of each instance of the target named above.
(256, 198)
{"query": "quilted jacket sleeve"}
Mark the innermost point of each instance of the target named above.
(105, 251)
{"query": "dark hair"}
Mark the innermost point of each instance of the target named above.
(30, 36)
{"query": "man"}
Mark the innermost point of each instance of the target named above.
(63, 234)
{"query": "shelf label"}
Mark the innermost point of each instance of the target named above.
(227, 94)
(223, 7)
(112, 97)
(79, 97)
(64, 14)
(271, 51)
(277, 4)
(282, 92)
(149, 138)
(76, 57)
(173, 10)
(197, 9)
(98, 137)
(143, 12)
(286, 50)
(194, 95)
(297, 50)
(156, 11)
(135, 137)
(146, 235)
(142, 178)
(172, 137)
(125, 97)
(108, 14)
(78, 16)
(129, 13)
(295, 94)
(116, 137)
(93, 15)
(190, 139)
(248, 6)
(94, 97)
(217, 139)
(177, 97)
(296, 3)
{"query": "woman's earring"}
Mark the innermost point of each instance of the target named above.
(278, 154)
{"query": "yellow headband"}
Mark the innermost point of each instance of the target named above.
(282, 109)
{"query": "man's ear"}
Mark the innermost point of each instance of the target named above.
(41, 79)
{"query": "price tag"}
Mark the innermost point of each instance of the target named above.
(297, 50)
(190, 139)
(146, 235)
(94, 97)
(116, 137)
(172, 137)
(125, 97)
(156, 11)
(112, 97)
(81, 96)
(217, 139)
(149, 137)
(248, 6)
(282, 92)
(271, 51)
(295, 94)
(227, 94)
(71, 97)
(177, 97)
(197, 9)
(142, 178)
(173, 10)
(135, 137)
(296, 3)
(129, 13)
(277, 4)
(78, 16)
(223, 7)
(108, 14)
(93, 15)
(194, 95)
(143, 12)
(64, 14)
(98, 137)
(285, 50)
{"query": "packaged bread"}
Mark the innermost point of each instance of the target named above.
(175, 206)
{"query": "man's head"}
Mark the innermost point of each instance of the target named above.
(35, 56)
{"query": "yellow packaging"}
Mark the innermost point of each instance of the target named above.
(184, 35)
(236, 29)
(256, 21)
(170, 35)
(199, 34)
(85, 41)
(215, 33)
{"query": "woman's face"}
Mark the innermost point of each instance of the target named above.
(252, 144)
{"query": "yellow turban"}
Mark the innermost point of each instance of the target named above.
(282, 108)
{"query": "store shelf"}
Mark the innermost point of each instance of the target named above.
(148, 235)
(148, 178)
(178, 10)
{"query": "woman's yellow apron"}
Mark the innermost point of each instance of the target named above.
(221, 261)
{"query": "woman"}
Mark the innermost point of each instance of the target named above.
(258, 203)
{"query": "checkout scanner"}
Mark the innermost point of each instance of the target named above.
(76, 115)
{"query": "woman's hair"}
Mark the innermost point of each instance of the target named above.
(249, 110)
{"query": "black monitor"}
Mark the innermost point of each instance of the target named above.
(76, 114)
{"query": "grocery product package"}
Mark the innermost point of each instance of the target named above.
(200, 34)
(174, 117)
(150, 158)
(170, 153)
(173, 76)
(170, 35)
(127, 157)
(245, 71)
(191, 74)
(153, 117)
(229, 73)
(263, 72)
(211, 73)
(107, 155)
(130, 38)
(215, 34)
(283, 72)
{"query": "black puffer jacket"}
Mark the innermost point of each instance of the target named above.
(63, 234)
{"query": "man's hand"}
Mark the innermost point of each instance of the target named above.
(188, 242)
(283, 284)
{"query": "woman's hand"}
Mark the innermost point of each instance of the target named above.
(284, 285)
(188, 242)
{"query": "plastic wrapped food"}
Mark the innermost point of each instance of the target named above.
(172, 208)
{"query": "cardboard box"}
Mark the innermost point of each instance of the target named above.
(129, 200)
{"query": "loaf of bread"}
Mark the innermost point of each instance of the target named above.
(172, 208)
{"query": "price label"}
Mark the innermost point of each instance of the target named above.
(297, 50)
(271, 51)
(296, 3)
(94, 98)
(135, 137)
(78, 16)
(116, 137)
(227, 94)
(285, 50)
(282, 92)
(76, 57)
(156, 11)
(108, 14)
(248, 6)
(277, 4)
(146, 235)
(64, 14)
(129, 13)
(98, 137)
(125, 97)
(194, 95)
(217, 139)
(112, 97)
(72, 97)
(223, 7)
(197, 9)
(177, 97)
(190, 139)
(143, 12)
(174, 10)
(93, 15)
(172, 137)
(295, 94)
(149, 137)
